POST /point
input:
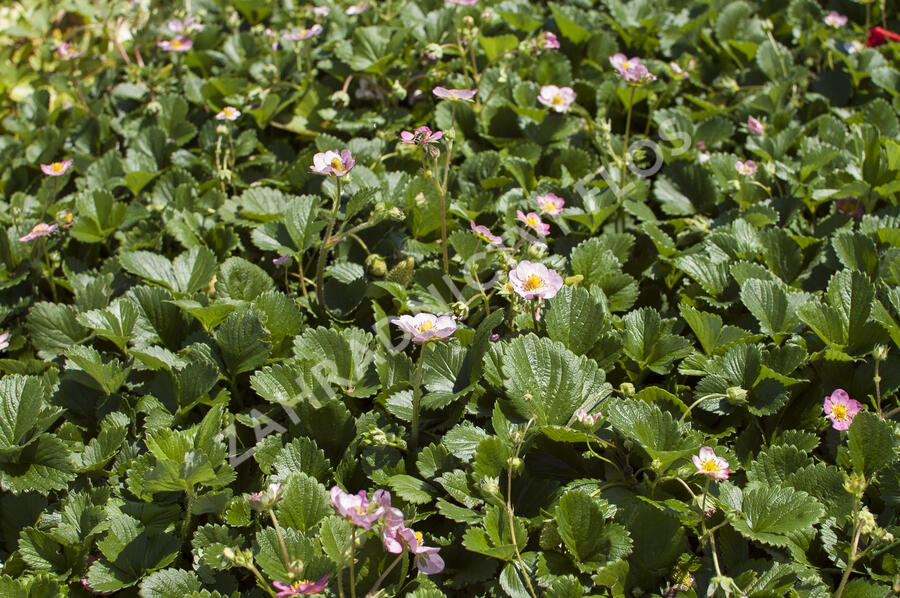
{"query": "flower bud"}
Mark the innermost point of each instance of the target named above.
(398, 90)
(574, 281)
(468, 21)
(295, 569)
(433, 52)
(228, 553)
(376, 265)
(491, 486)
(855, 484)
(627, 389)
(537, 251)
(266, 499)
(339, 99)
(222, 130)
(867, 521)
(396, 214)
(460, 310)
(515, 464)
(881, 352)
(736, 395)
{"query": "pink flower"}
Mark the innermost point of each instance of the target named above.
(631, 69)
(530, 280)
(186, 25)
(841, 409)
(40, 230)
(421, 136)
(427, 559)
(266, 499)
(835, 19)
(454, 94)
(585, 418)
(355, 507)
(303, 586)
(176, 44)
(534, 221)
(708, 464)
(550, 41)
(302, 34)
(4, 340)
(56, 168)
(850, 207)
(332, 163)
(747, 168)
(426, 327)
(464, 2)
(321, 11)
(558, 98)
(756, 127)
(358, 8)
(280, 261)
(677, 71)
(228, 113)
(550, 203)
(485, 234)
(66, 52)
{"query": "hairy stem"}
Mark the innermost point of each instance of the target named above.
(417, 399)
(381, 578)
(323, 250)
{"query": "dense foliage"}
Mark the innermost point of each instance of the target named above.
(651, 270)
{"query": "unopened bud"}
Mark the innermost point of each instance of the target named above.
(867, 521)
(266, 499)
(468, 21)
(339, 99)
(855, 484)
(881, 352)
(537, 251)
(228, 553)
(376, 265)
(515, 464)
(460, 310)
(491, 486)
(222, 130)
(574, 281)
(396, 214)
(736, 395)
(627, 389)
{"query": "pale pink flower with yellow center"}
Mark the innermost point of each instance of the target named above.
(426, 327)
(186, 25)
(56, 168)
(357, 9)
(755, 127)
(631, 69)
(41, 229)
(302, 34)
(454, 94)
(355, 507)
(4, 340)
(485, 234)
(835, 19)
(550, 203)
(464, 2)
(176, 44)
(747, 168)
(332, 163)
(420, 136)
(550, 41)
(587, 419)
(707, 463)
(304, 586)
(228, 113)
(557, 98)
(534, 222)
(530, 280)
(841, 409)
(66, 52)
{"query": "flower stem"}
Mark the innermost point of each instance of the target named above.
(851, 559)
(380, 579)
(621, 222)
(353, 564)
(323, 250)
(697, 402)
(284, 550)
(262, 581)
(444, 190)
(417, 398)
(512, 523)
(877, 380)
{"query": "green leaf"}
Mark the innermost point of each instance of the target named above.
(772, 307)
(88, 367)
(129, 553)
(170, 583)
(871, 443)
(240, 341)
(40, 467)
(189, 272)
(544, 378)
(775, 464)
(412, 490)
(300, 221)
(575, 319)
(570, 19)
(98, 215)
(241, 280)
(648, 340)
(305, 502)
(589, 538)
(115, 323)
(771, 513)
(856, 251)
(53, 327)
(655, 430)
(21, 400)
(497, 45)
(104, 447)
(708, 328)
(302, 455)
(495, 538)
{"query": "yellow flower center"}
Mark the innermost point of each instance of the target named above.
(709, 466)
(358, 510)
(304, 31)
(428, 325)
(533, 282)
(302, 582)
(626, 65)
(839, 412)
(419, 537)
(57, 167)
(177, 44)
(558, 100)
(532, 221)
(337, 165)
(549, 207)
